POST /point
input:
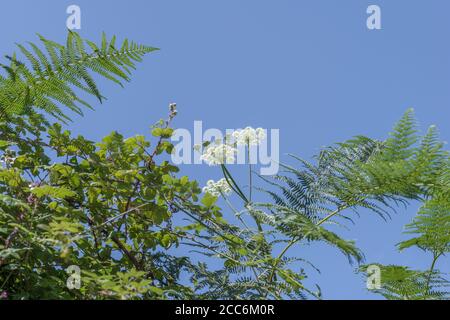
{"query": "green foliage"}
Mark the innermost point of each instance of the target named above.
(110, 208)
(422, 172)
(104, 207)
(399, 145)
(117, 209)
(49, 77)
(432, 227)
(365, 173)
(375, 175)
(401, 283)
(318, 190)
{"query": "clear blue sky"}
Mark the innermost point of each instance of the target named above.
(310, 68)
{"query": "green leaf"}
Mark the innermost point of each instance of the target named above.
(55, 192)
(208, 200)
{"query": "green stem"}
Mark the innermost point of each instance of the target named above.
(295, 240)
(331, 215)
(234, 186)
(250, 185)
(249, 173)
(433, 264)
(237, 213)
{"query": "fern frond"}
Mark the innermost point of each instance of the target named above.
(402, 283)
(46, 81)
(432, 227)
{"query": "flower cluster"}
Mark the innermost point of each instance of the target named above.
(217, 188)
(249, 136)
(218, 154)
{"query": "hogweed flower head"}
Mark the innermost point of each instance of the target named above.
(249, 136)
(217, 188)
(218, 154)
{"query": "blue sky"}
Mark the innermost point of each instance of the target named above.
(310, 68)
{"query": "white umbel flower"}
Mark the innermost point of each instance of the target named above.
(218, 154)
(217, 188)
(249, 136)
